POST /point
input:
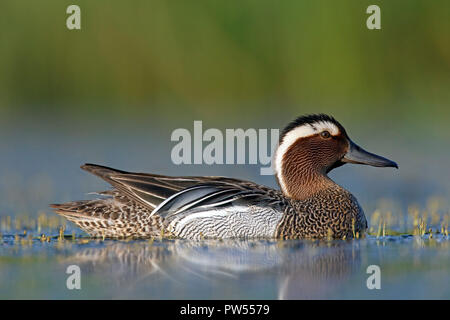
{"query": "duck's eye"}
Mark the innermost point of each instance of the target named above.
(325, 134)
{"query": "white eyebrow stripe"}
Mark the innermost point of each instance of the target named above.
(292, 136)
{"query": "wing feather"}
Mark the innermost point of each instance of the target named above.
(169, 196)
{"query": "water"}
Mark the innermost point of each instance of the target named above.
(411, 268)
(39, 167)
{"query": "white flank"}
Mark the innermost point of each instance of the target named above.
(178, 224)
(292, 136)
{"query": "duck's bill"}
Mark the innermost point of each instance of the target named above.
(356, 154)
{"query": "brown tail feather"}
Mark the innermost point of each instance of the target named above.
(109, 218)
(143, 188)
(101, 171)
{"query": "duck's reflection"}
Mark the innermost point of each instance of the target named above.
(300, 269)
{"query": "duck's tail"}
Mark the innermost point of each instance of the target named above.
(110, 218)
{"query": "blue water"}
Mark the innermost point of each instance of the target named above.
(410, 268)
(39, 166)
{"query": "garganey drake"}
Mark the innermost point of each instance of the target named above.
(309, 204)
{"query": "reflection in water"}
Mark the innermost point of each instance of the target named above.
(299, 269)
(314, 273)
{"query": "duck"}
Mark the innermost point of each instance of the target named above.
(307, 205)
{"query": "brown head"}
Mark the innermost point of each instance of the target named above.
(309, 148)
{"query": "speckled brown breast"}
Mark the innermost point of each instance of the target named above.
(333, 212)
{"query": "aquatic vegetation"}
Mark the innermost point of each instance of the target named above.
(430, 222)
(45, 243)
(59, 233)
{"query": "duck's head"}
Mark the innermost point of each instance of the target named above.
(311, 146)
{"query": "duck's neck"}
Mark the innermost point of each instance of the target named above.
(303, 184)
(301, 175)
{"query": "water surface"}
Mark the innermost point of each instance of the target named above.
(411, 267)
(404, 208)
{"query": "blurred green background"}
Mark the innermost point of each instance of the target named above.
(227, 59)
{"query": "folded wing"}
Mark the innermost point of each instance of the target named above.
(167, 196)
